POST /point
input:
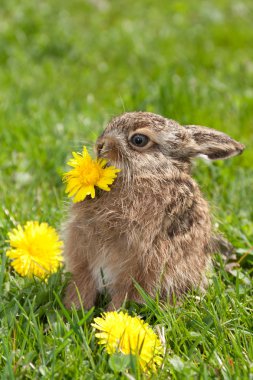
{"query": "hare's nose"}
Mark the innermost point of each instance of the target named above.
(105, 145)
(100, 146)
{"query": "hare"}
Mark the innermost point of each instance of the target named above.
(154, 226)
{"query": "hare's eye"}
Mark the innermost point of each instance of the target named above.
(139, 140)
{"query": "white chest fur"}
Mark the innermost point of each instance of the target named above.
(103, 276)
(106, 269)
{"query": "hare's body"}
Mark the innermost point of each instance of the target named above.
(152, 227)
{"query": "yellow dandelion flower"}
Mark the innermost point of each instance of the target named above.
(119, 332)
(35, 250)
(86, 174)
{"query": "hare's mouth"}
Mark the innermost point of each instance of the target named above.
(113, 162)
(112, 155)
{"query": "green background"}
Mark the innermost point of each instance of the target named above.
(67, 67)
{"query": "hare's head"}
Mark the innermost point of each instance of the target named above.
(138, 141)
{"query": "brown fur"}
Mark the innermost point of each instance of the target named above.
(154, 225)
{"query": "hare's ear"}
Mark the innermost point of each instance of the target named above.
(211, 143)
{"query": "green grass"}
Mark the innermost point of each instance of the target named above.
(66, 68)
